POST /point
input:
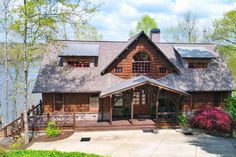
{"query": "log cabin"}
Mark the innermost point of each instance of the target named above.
(141, 78)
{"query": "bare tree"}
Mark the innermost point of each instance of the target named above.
(185, 31)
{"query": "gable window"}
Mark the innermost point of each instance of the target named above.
(162, 70)
(118, 70)
(78, 64)
(141, 63)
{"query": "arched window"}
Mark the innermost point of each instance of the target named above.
(141, 63)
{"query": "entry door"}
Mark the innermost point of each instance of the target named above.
(59, 104)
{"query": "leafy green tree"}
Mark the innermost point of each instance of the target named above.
(86, 32)
(231, 106)
(225, 30)
(146, 24)
(37, 21)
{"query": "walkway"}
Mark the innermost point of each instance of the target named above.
(168, 143)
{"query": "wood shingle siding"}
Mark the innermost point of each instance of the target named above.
(157, 60)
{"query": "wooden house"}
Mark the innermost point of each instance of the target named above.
(141, 78)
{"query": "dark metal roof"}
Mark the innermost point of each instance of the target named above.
(75, 49)
(194, 52)
(138, 81)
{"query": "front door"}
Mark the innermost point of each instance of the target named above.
(142, 107)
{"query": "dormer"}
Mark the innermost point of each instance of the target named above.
(194, 57)
(76, 55)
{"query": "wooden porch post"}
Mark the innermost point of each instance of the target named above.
(157, 104)
(132, 107)
(110, 114)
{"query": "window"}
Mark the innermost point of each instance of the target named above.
(136, 98)
(94, 100)
(162, 70)
(195, 65)
(141, 63)
(118, 70)
(78, 64)
(118, 100)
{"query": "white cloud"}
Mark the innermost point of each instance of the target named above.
(116, 18)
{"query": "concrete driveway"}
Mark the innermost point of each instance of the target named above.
(167, 143)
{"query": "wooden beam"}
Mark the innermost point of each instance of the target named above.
(157, 104)
(110, 113)
(132, 106)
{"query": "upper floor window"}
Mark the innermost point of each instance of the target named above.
(141, 63)
(162, 70)
(78, 64)
(118, 70)
(195, 65)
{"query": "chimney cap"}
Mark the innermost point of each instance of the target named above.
(156, 30)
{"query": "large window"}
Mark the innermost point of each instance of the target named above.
(141, 63)
(94, 100)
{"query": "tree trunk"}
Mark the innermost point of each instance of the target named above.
(25, 76)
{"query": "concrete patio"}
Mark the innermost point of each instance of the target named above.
(167, 143)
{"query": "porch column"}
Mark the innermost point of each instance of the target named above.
(132, 107)
(157, 104)
(110, 113)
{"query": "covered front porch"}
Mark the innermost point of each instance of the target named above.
(143, 99)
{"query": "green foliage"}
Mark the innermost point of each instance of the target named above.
(17, 144)
(3, 152)
(230, 106)
(183, 120)
(224, 29)
(52, 129)
(146, 23)
(32, 153)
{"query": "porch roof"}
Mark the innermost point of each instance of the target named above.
(138, 81)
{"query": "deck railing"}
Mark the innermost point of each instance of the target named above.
(17, 125)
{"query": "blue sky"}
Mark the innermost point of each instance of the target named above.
(117, 17)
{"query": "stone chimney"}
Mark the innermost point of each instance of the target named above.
(155, 35)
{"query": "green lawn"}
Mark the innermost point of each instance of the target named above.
(33, 153)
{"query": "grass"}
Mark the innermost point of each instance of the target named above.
(34, 153)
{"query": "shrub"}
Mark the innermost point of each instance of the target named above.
(183, 120)
(17, 143)
(3, 152)
(230, 106)
(52, 129)
(211, 120)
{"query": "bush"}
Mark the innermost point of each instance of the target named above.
(183, 120)
(211, 120)
(230, 106)
(17, 143)
(52, 129)
(3, 152)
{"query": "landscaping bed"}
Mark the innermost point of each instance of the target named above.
(63, 135)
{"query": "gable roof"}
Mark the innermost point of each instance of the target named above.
(131, 41)
(138, 81)
(54, 78)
